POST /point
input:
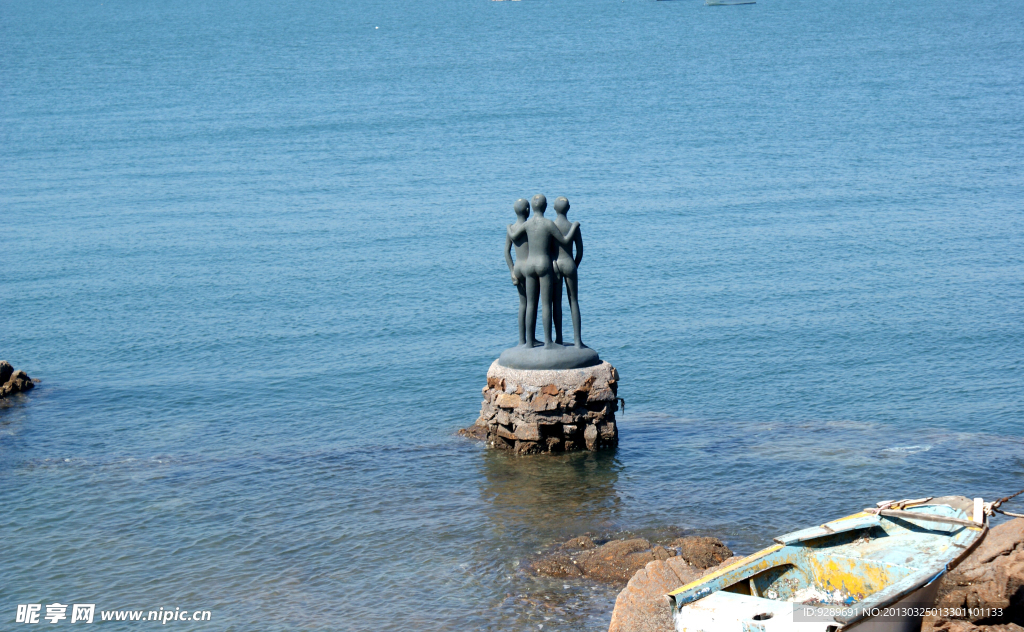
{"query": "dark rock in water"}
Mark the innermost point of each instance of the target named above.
(618, 560)
(580, 543)
(474, 432)
(991, 577)
(556, 565)
(15, 382)
(701, 551)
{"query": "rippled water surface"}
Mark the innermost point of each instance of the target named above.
(253, 252)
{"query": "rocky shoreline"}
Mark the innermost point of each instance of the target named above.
(13, 382)
(616, 561)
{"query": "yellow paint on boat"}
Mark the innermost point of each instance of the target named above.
(850, 576)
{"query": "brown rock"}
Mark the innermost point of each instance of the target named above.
(528, 432)
(701, 551)
(992, 576)
(570, 445)
(487, 412)
(582, 543)
(474, 432)
(556, 565)
(504, 432)
(568, 430)
(641, 606)
(545, 402)
(603, 395)
(6, 371)
(554, 444)
(501, 443)
(590, 436)
(18, 382)
(598, 414)
(527, 447)
(544, 419)
(549, 389)
(508, 400)
(607, 431)
(496, 383)
(617, 560)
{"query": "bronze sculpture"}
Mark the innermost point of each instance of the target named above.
(542, 263)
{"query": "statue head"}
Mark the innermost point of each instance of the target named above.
(540, 204)
(561, 206)
(522, 208)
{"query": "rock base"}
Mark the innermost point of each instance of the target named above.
(530, 412)
(13, 382)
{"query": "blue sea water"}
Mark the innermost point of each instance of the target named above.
(253, 252)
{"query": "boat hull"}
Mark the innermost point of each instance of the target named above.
(874, 571)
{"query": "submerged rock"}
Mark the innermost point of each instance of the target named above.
(701, 551)
(13, 382)
(618, 560)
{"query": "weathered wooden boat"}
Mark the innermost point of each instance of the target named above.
(875, 570)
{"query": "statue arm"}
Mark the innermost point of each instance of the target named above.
(515, 231)
(579, 248)
(567, 238)
(508, 258)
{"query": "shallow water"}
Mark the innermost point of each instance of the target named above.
(253, 253)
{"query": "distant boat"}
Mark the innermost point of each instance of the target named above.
(727, 3)
(842, 573)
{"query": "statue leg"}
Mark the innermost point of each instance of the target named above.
(521, 287)
(531, 310)
(556, 308)
(572, 289)
(547, 285)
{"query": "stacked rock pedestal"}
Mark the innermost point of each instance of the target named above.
(530, 411)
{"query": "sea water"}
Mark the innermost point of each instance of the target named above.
(252, 250)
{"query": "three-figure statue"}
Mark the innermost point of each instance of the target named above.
(544, 259)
